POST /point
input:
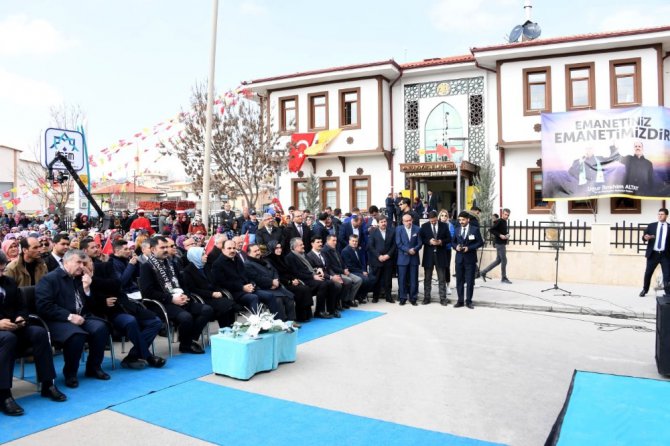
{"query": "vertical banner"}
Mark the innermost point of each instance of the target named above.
(609, 153)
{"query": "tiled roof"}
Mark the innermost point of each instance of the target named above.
(438, 61)
(324, 70)
(125, 188)
(575, 38)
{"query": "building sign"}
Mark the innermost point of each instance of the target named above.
(68, 142)
(606, 153)
(439, 173)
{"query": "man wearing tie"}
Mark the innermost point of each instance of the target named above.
(354, 261)
(297, 229)
(408, 243)
(436, 239)
(61, 244)
(466, 242)
(658, 251)
(381, 252)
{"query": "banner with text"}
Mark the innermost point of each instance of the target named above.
(606, 153)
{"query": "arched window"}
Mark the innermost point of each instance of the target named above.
(443, 122)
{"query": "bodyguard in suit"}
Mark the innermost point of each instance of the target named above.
(63, 301)
(466, 242)
(658, 251)
(436, 240)
(61, 244)
(319, 229)
(408, 243)
(298, 229)
(389, 205)
(381, 252)
(432, 201)
(16, 335)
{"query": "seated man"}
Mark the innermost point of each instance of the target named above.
(126, 268)
(355, 263)
(61, 244)
(228, 273)
(28, 268)
(16, 336)
(63, 301)
(318, 262)
(158, 281)
(266, 278)
(304, 271)
(335, 267)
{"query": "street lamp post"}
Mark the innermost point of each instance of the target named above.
(458, 161)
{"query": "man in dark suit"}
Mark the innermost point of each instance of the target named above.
(431, 199)
(389, 204)
(60, 245)
(354, 226)
(436, 240)
(228, 272)
(319, 229)
(466, 242)
(297, 229)
(354, 261)
(304, 271)
(16, 335)
(63, 301)
(227, 216)
(658, 251)
(408, 244)
(268, 231)
(318, 262)
(381, 252)
(336, 268)
(405, 207)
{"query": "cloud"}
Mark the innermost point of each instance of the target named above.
(476, 16)
(22, 91)
(253, 9)
(21, 36)
(635, 18)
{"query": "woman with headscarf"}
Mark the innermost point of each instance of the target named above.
(302, 293)
(195, 280)
(11, 248)
(197, 226)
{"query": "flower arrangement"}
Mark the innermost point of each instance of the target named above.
(260, 321)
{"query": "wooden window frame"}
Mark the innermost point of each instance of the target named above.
(341, 94)
(636, 209)
(311, 110)
(323, 190)
(637, 82)
(352, 191)
(530, 189)
(591, 86)
(282, 115)
(527, 111)
(572, 209)
(294, 191)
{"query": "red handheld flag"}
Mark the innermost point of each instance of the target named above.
(210, 245)
(245, 246)
(108, 249)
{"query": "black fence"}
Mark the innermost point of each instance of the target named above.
(629, 235)
(531, 233)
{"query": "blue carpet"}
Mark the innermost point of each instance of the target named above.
(233, 417)
(616, 410)
(92, 395)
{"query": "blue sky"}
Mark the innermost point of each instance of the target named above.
(130, 64)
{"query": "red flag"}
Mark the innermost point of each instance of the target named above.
(108, 249)
(296, 155)
(245, 246)
(278, 207)
(210, 245)
(6, 194)
(98, 239)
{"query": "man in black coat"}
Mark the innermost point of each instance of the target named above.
(436, 241)
(227, 216)
(60, 245)
(228, 272)
(336, 268)
(16, 335)
(381, 253)
(324, 289)
(268, 230)
(266, 278)
(63, 301)
(466, 242)
(297, 229)
(354, 261)
(658, 251)
(319, 230)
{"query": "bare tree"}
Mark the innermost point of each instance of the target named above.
(245, 158)
(56, 195)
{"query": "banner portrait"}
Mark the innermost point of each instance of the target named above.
(606, 153)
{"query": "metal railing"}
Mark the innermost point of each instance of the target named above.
(628, 236)
(531, 233)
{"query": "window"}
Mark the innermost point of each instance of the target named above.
(625, 83)
(299, 193)
(536, 205)
(288, 115)
(318, 111)
(580, 86)
(583, 206)
(623, 205)
(350, 108)
(536, 90)
(330, 193)
(360, 192)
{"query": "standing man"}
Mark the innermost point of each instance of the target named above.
(381, 251)
(436, 239)
(389, 204)
(466, 242)
(658, 251)
(409, 243)
(227, 216)
(61, 244)
(297, 229)
(500, 232)
(63, 301)
(431, 199)
(406, 209)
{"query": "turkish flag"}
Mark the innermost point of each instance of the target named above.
(296, 155)
(210, 245)
(108, 249)
(245, 246)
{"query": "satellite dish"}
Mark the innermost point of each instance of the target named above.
(515, 34)
(531, 30)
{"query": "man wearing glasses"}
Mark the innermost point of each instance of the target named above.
(28, 268)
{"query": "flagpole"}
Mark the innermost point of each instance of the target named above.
(208, 125)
